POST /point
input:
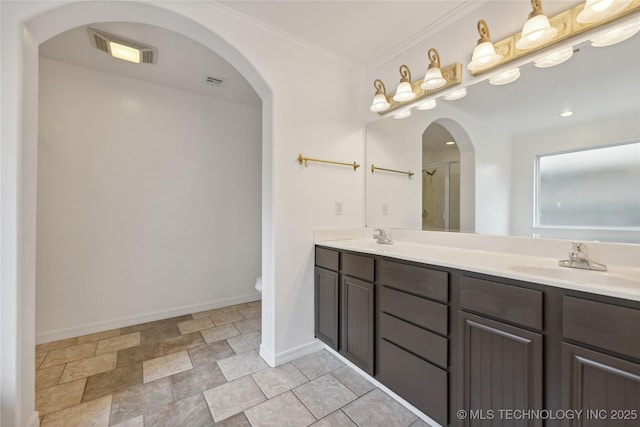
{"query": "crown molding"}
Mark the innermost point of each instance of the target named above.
(435, 27)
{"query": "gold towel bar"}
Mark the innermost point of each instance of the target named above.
(305, 160)
(375, 168)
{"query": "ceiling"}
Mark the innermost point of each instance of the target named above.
(340, 28)
(366, 32)
(360, 31)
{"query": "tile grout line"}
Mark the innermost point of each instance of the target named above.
(303, 404)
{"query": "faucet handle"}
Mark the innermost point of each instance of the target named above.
(578, 250)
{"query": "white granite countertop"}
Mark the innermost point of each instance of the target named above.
(618, 281)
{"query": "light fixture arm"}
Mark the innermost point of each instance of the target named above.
(434, 58)
(536, 5)
(483, 30)
(405, 73)
(380, 88)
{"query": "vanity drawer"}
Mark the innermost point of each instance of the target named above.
(607, 326)
(416, 280)
(358, 266)
(511, 303)
(328, 258)
(422, 312)
(422, 343)
(420, 383)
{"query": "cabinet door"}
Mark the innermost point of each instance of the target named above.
(356, 338)
(326, 306)
(606, 388)
(501, 368)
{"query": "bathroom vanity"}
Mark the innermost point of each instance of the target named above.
(447, 338)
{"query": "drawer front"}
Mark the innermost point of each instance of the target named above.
(425, 313)
(423, 343)
(416, 280)
(506, 302)
(328, 258)
(603, 325)
(420, 383)
(358, 266)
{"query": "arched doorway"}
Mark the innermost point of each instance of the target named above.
(39, 23)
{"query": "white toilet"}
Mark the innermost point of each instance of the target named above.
(259, 284)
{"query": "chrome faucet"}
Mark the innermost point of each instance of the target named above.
(381, 237)
(579, 258)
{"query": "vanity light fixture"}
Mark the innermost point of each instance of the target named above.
(616, 35)
(380, 102)
(566, 114)
(402, 114)
(405, 90)
(456, 94)
(537, 30)
(124, 49)
(426, 105)
(505, 77)
(554, 58)
(484, 54)
(450, 143)
(433, 77)
(599, 10)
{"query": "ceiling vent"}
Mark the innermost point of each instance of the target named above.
(213, 81)
(122, 48)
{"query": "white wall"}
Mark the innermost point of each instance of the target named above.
(608, 130)
(312, 104)
(148, 202)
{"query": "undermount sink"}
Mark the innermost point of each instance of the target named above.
(581, 276)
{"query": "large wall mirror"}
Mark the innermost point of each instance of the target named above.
(486, 176)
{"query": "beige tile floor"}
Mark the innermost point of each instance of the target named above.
(201, 370)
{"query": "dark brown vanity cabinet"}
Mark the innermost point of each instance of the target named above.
(357, 311)
(326, 293)
(601, 361)
(447, 340)
(344, 305)
(500, 349)
(412, 354)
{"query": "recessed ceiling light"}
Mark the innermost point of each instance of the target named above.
(566, 114)
(122, 48)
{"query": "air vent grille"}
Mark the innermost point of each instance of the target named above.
(101, 41)
(214, 81)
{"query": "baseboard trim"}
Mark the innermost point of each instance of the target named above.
(296, 352)
(34, 421)
(59, 334)
(424, 417)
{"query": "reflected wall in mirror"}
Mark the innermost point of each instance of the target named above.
(500, 132)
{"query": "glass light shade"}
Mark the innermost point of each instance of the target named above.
(404, 92)
(554, 58)
(456, 94)
(427, 105)
(484, 55)
(433, 79)
(616, 35)
(126, 53)
(536, 32)
(402, 114)
(379, 103)
(598, 10)
(505, 77)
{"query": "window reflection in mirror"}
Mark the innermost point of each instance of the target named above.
(594, 188)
